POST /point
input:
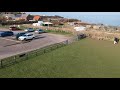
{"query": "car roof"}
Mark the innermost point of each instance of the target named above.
(5, 31)
(28, 34)
(22, 32)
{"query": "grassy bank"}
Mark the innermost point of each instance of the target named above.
(4, 26)
(59, 32)
(86, 58)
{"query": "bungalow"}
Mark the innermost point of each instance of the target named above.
(40, 23)
(47, 23)
(15, 16)
(80, 28)
(8, 16)
(21, 17)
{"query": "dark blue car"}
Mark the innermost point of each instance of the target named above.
(6, 33)
(20, 34)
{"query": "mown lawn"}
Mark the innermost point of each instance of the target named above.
(86, 58)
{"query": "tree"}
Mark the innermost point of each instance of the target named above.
(30, 17)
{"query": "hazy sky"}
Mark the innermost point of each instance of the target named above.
(112, 18)
(75, 13)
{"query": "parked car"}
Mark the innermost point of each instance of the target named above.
(20, 34)
(39, 31)
(29, 30)
(14, 28)
(26, 36)
(6, 33)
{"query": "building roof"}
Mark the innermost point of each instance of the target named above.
(36, 17)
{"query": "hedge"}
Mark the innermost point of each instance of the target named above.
(17, 22)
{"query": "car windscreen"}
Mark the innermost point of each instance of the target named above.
(24, 35)
(30, 34)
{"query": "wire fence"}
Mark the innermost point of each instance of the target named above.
(5, 62)
(25, 56)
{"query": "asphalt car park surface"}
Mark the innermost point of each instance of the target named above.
(10, 46)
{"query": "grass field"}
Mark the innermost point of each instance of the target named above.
(86, 58)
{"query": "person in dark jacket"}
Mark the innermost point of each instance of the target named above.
(116, 40)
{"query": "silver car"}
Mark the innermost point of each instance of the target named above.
(27, 36)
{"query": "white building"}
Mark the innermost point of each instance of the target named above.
(80, 28)
(38, 24)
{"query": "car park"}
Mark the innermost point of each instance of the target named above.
(6, 33)
(26, 36)
(39, 31)
(29, 30)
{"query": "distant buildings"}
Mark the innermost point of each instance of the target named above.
(11, 16)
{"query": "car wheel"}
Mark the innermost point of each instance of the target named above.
(18, 38)
(25, 39)
(33, 38)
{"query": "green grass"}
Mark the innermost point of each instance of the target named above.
(4, 26)
(86, 58)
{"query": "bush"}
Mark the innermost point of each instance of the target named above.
(17, 22)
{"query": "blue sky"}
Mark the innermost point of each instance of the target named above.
(111, 18)
(74, 13)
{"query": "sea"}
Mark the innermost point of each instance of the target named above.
(110, 20)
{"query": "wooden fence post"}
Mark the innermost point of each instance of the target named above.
(36, 53)
(1, 63)
(66, 41)
(57, 45)
(26, 55)
(51, 48)
(15, 58)
(44, 51)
